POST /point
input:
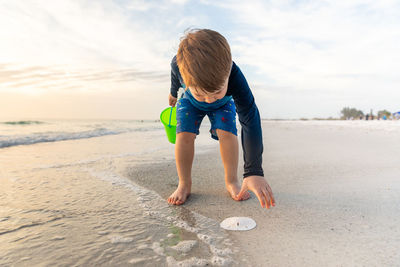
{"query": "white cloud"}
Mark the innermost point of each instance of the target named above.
(335, 48)
(335, 52)
(81, 33)
(86, 37)
(141, 5)
(116, 50)
(182, 2)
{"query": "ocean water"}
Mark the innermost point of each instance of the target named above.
(65, 199)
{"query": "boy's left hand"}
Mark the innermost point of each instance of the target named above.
(260, 188)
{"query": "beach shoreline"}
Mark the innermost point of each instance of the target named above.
(323, 178)
(69, 202)
(99, 201)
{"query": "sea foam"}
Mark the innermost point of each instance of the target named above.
(34, 138)
(206, 230)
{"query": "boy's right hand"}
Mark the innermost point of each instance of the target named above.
(260, 188)
(172, 100)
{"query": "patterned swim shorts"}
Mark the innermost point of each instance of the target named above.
(189, 118)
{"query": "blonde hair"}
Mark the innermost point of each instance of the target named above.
(204, 59)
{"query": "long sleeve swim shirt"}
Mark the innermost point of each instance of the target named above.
(249, 116)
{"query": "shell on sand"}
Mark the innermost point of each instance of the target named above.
(238, 223)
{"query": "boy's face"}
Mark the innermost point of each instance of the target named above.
(202, 96)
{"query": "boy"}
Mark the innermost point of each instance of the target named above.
(215, 86)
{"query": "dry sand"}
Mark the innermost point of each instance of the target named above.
(337, 191)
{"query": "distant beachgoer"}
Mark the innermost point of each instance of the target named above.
(367, 116)
(215, 86)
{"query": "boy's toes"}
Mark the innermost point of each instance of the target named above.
(177, 198)
(245, 196)
(234, 191)
(171, 200)
(180, 201)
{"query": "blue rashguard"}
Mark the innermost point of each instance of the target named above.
(249, 117)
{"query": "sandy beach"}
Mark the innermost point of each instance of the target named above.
(93, 193)
(336, 186)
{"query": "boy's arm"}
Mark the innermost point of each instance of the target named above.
(175, 83)
(249, 118)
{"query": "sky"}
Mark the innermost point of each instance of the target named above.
(103, 59)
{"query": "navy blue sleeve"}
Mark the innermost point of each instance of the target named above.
(249, 119)
(175, 81)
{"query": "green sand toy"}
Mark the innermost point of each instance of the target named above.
(168, 118)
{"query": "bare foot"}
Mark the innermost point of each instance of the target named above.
(180, 195)
(234, 189)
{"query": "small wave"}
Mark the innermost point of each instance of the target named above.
(205, 230)
(6, 231)
(8, 141)
(22, 122)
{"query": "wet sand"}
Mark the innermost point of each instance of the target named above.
(65, 203)
(337, 190)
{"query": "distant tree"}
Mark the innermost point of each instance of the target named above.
(384, 112)
(351, 113)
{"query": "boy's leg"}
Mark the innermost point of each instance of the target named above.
(188, 122)
(184, 153)
(229, 149)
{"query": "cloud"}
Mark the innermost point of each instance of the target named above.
(86, 45)
(15, 78)
(311, 44)
(335, 52)
(142, 5)
(81, 33)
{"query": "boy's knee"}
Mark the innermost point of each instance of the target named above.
(186, 137)
(222, 134)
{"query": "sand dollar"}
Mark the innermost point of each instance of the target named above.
(238, 223)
